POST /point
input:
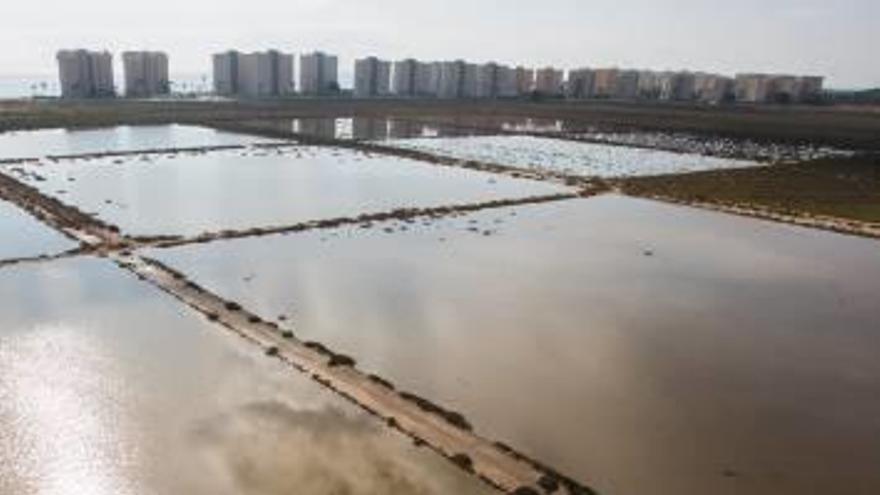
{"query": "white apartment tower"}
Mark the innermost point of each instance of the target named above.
(414, 78)
(405, 77)
(372, 77)
(318, 74)
(226, 73)
(85, 74)
(253, 75)
(451, 80)
(265, 74)
(488, 80)
(146, 74)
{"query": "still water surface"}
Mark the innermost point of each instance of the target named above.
(45, 142)
(23, 236)
(370, 128)
(193, 193)
(640, 347)
(110, 388)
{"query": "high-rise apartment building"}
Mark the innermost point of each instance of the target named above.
(626, 87)
(451, 79)
(677, 86)
(580, 84)
(85, 74)
(525, 80)
(253, 75)
(226, 73)
(548, 81)
(372, 77)
(404, 82)
(265, 74)
(318, 74)
(712, 88)
(414, 78)
(777, 88)
(146, 74)
(605, 83)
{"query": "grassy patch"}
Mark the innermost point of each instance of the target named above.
(841, 187)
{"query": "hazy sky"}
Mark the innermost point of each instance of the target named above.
(839, 39)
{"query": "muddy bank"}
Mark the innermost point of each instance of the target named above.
(801, 219)
(112, 154)
(68, 220)
(42, 257)
(153, 151)
(444, 431)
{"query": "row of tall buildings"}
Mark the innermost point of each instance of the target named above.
(691, 86)
(88, 74)
(457, 79)
(270, 74)
(460, 79)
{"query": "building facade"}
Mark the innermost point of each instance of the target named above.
(525, 80)
(677, 86)
(372, 77)
(225, 67)
(777, 88)
(451, 79)
(488, 80)
(86, 74)
(253, 75)
(146, 74)
(580, 84)
(626, 86)
(318, 74)
(404, 81)
(604, 83)
(713, 88)
(548, 81)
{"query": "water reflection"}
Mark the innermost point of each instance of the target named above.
(641, 347)
(314, 451)
(22, 236)
(374, 129)
(242, 189)
(99, 399)
(46, 142)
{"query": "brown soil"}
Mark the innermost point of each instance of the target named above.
(839, 194)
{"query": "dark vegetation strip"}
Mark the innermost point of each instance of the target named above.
(846, 188)
(42, 257)
(841, 127)
(124, 153)
(150, 151)
(397, 214)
